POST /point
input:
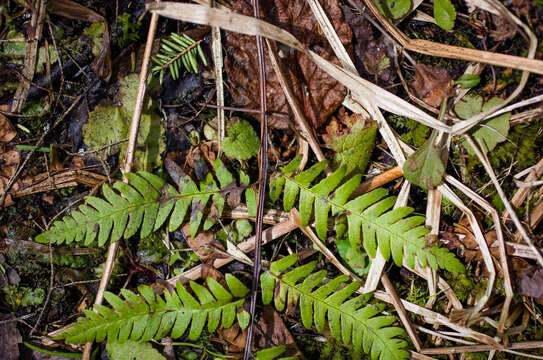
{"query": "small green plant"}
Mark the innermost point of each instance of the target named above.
(126, 30)
(242, 143)
(444, 14)
(179, 51)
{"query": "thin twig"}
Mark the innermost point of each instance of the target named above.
(38, 144)
(262, 182)
(134, 126)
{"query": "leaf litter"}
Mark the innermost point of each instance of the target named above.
(349, 140)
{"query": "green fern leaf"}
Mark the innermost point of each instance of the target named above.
(143, 204)
(331, 303)
(178, 51)
(151, 316)
(371, 221)
(273, 353)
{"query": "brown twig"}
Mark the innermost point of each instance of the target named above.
(38, 144)
(262, 182)
(134, 126)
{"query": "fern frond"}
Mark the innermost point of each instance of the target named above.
(144, 204)
(152, 316)
(347, 319)
(177, 52)
(393, 231)
(273, 353)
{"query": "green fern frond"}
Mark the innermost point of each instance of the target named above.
(144, 204)
(151, 316)
(347, 319)
(179, 51)
(273, 353)
(393, 231)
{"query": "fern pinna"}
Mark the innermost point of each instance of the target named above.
(144, 204)
(397, 234)
(152, 316)
(347, 319)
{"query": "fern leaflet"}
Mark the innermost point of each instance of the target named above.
(397, 234)
(152, 316)
(144, 204)
(347, 319)
(176, 52)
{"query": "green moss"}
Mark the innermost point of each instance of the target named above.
(411, 132)
(524, 148)
(329, 350)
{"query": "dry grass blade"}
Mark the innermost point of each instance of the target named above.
(454, 52)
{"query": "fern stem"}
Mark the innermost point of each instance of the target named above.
(192, 46)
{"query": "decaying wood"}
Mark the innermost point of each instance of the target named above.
(60, 180)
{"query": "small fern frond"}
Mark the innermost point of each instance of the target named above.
(144, 204)
(151, 316)
(393, 231)
(176, 52)
(348, 320)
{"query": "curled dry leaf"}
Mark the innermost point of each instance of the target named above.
(530, 282)
(373, 53)
(462, 238)
(432, 84)
(319, 94)
(9, 158)
(204, 244)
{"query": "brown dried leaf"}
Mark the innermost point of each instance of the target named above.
(373, 53)
(9, 338)
(531, 281)
(7, 133)
(318, 93)
(204, 244)
(463, 239)
(432, 84)
(503, 29)
(270, 331)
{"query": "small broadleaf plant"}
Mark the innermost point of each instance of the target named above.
(144, 204)
(370, 221)
(178, 52)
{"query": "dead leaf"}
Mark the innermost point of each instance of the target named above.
(531, 281)
(204, 244)
(463, 239)
(10, 338)
(373, 53)
(503, 29)
(269, 331)
(7, 133)
(318, 93)
(432, 84)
